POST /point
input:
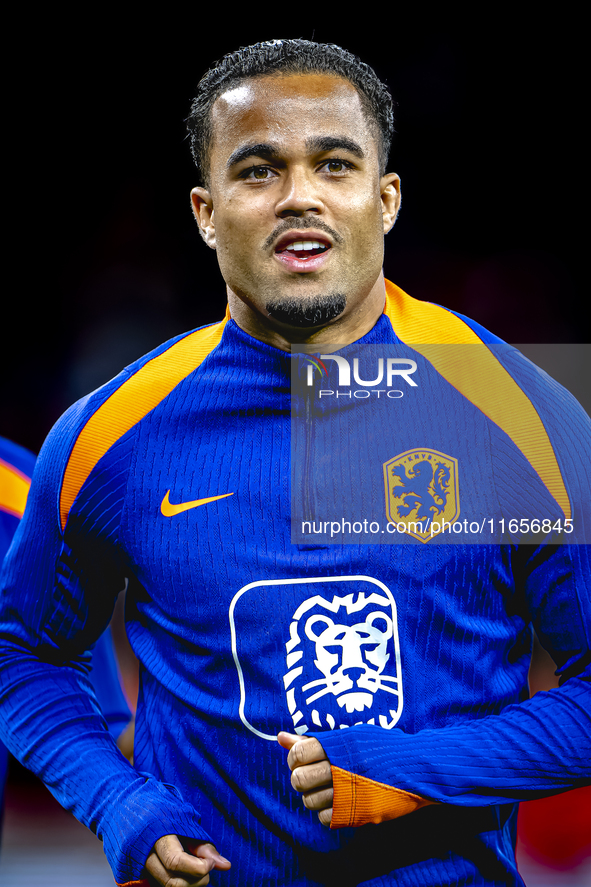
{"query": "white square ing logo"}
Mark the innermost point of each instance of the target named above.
(329, 646)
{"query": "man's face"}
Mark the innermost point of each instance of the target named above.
(296, 207)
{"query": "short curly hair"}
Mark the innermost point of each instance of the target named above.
(289, 57)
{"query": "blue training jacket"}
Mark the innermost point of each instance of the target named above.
(408, 661)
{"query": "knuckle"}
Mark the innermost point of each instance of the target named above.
(296, 780)
(299, 752)
(316, 749)
(173, 862)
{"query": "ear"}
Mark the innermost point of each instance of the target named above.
(203, 211)
(390, 194)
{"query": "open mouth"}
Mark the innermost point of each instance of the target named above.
(300, 252)
(305, 249)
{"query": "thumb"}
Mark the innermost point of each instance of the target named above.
(287, 740)
(209, 852)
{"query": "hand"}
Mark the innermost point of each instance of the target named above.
(311, 774)
(172, 865)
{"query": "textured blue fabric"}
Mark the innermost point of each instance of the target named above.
(24, 461)
(225, 615)
(104, 674)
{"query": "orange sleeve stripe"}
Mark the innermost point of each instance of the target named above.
(129, 404)
(14, 488)
(430, 329)
(143, 883)
(359, 800)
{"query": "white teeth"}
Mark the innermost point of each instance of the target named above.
(306, 245)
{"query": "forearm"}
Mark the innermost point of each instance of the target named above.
(51, 722)
(537, 748)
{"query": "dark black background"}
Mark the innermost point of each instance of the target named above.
(103, 259)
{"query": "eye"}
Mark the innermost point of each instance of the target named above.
(369, 648)
(336, 166)
(257, 173)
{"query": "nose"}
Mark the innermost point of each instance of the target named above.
(354, 673)
(351, 658)
(300, 194)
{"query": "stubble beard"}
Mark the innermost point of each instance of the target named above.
(311, 312)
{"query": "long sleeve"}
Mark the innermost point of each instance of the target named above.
(539, 747)
(52, 724)
(56, 602)
(16, 469)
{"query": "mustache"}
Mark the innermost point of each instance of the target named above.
(297, 224)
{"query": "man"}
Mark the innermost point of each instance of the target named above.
(16, 469)
(175, 476)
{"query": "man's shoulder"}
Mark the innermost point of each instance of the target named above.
(416, 322)
(166, 364)
(521, 401)
(473, 357)
(141, 384)
(92, 426)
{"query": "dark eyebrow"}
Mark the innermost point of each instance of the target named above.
(267, 152)
(329, 143)
(314, 145)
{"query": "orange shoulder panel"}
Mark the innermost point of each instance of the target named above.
(136, 397)
(359, 800)
(14, 488)
(482, 379)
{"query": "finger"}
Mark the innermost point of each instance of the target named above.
(319, 800)
(325, 817)
(173, 857)
(286, 740)
(303, 751)
(158, 875)
(311, 777)
(207, 851)
(174, 860)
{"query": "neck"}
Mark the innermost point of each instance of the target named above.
(347, 328)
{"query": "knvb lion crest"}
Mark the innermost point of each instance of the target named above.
(421, 487)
